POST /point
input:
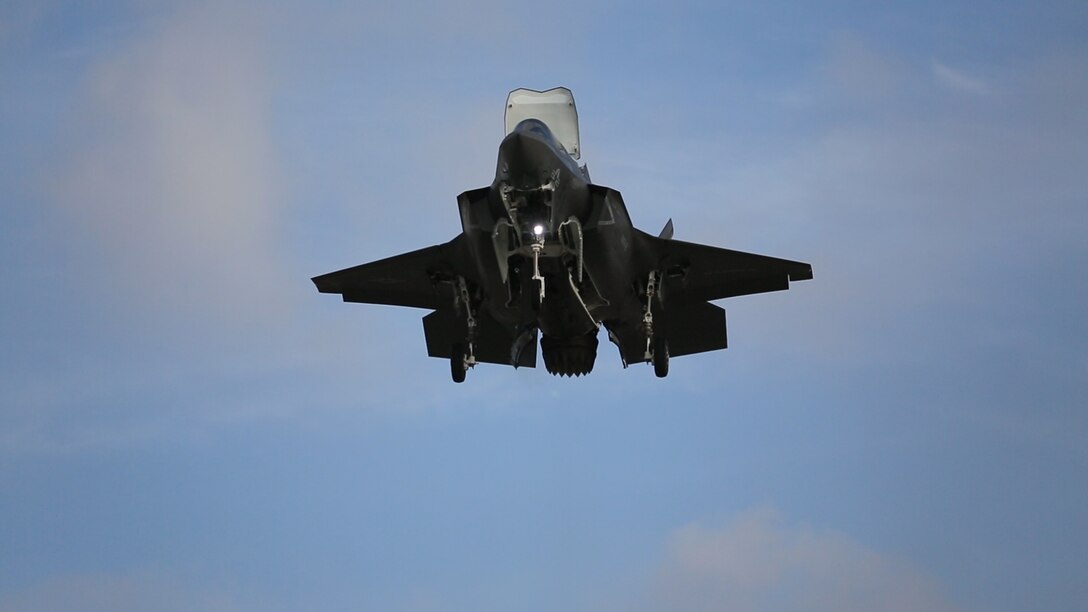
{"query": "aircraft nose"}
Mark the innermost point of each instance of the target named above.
(518, 146)
(524, 157)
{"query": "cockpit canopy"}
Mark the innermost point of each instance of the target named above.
(555, 107)
(536, 126)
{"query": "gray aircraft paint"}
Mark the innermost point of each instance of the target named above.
(545, 252)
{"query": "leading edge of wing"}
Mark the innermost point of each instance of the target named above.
(711, 273)
(408, 279)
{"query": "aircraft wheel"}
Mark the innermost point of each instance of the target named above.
(661, 357)
(457, 363)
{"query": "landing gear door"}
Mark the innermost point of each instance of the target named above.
(554, 107)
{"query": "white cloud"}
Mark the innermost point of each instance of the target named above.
(756, 563)
(957, 80)
(172, 172)
(165, 242)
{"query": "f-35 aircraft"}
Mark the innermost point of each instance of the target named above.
(543, 250)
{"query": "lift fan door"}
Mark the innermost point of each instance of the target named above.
(554, 107)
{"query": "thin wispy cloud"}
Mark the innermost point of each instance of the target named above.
(171, 171)
(958, 80)
(756, 563)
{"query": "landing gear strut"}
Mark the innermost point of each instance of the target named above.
(657, 347)
(648, 315)
(538, 247)
(462, 355)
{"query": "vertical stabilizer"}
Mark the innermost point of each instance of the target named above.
(666, 232)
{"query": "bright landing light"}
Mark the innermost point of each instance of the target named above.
(538, 230)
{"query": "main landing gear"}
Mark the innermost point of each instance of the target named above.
(661, 357)
(657, 347)
(458, 362)
(462, 356)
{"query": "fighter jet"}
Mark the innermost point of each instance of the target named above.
(545, 252)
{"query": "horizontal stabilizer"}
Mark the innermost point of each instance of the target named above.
(494, 343)
(694, 327)
(689, 326)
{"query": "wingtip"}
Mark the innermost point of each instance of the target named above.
(322, 284)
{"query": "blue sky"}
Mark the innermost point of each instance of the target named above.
(186, 424)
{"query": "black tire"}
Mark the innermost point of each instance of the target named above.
(661, 357)
(457, 363)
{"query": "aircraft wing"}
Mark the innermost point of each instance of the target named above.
(709, 273)
(410, 279)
